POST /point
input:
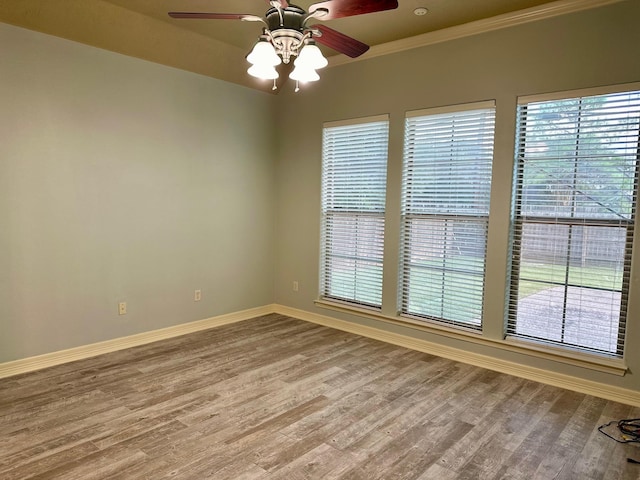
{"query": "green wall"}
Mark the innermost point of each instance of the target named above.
(124, 180)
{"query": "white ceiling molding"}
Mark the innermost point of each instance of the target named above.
(549, 10)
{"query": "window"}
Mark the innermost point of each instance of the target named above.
(446, 184)
(354, 175)
(574, 207)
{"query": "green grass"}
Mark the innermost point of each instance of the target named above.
(450, 295)
(464, 305)
(345, 286)
(537, 277)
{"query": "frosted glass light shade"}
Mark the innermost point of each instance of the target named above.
(263, 53)
(311, 57)
(265, 72)
(303, 74)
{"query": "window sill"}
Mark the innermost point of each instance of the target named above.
(595, 362)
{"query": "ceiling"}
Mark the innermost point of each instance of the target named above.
(142, 28)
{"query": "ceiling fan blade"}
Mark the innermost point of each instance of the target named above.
(278, 3)
(217, 16)
(348, 8)
(340, 42)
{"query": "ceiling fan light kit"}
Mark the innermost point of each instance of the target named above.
(286, 35)
(311, 56)
(264, 72)
(263, 53)
(304, 74)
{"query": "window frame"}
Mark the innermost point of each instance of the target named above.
(450, 220)
(520, 220)
(376, 217)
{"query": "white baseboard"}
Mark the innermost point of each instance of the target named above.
(30, 364)
(617, 394)
(601, 390)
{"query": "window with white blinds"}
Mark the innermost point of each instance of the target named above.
(354, 176)
(446, 187)
(574, 206)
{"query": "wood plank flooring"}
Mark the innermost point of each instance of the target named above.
(278, 398)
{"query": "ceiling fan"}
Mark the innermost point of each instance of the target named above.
(287, 34)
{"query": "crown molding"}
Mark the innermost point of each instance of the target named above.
(511, 19)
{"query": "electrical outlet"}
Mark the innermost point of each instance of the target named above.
(197, 295)
(295, 286)
(122, 308)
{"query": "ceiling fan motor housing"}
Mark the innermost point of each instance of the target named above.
(291, 17)
(287, 29)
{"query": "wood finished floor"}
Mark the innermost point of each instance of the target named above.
(278, 398)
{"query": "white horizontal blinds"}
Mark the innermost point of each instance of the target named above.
(575, 195)
(354, 175)
(445, 213)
